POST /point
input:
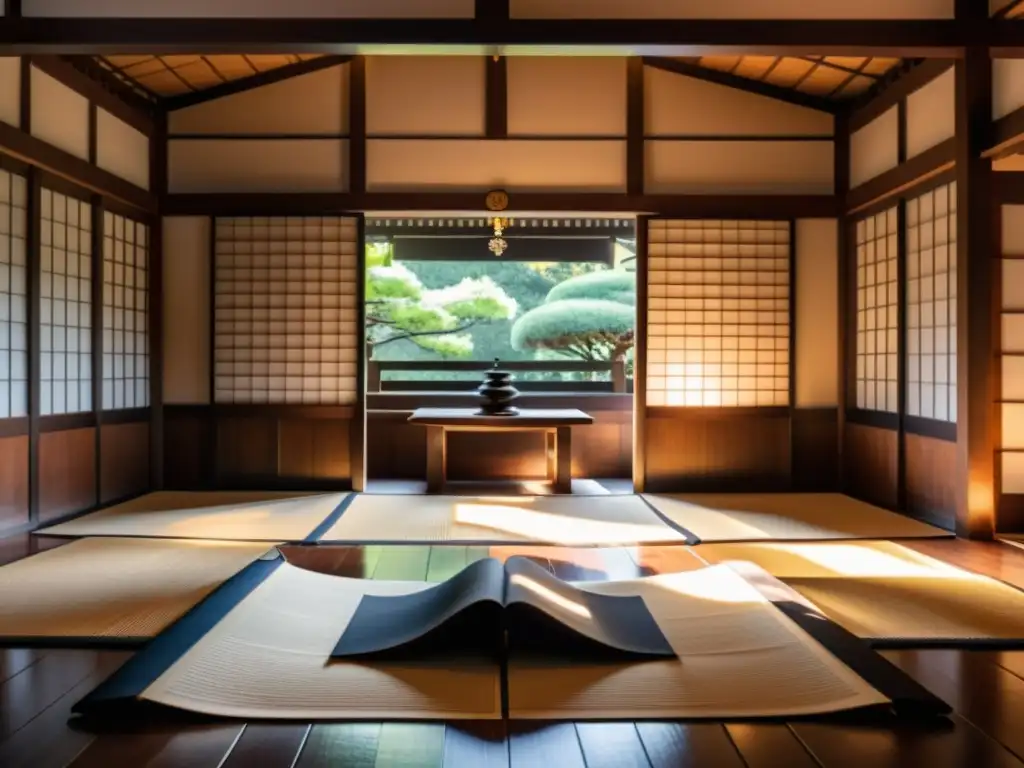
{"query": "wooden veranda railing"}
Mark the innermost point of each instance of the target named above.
(615, 383)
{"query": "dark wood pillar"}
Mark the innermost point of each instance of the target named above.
(977, 221)
(841, 181)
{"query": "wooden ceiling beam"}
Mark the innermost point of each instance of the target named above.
(665, 37)
(760, 87)
(250, 82)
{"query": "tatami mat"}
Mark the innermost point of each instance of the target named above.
(738, 657)
(888, 593)
(222, 515)
(113, 589)
(786, 517)
(568, 520)
(269, 657)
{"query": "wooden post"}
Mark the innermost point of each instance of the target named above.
(563, 468)
(619, 376)
(435, 458)
(975, 269)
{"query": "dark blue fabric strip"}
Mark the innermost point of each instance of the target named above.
(142, 670)
(319, 532)
(691, 538)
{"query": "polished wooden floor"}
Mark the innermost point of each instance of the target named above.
(38, 688)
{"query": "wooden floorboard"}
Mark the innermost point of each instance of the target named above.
(39, 687)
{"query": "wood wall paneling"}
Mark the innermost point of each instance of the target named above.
(246, 447)
(317, 449)
(425, 95)
(124, 460)
(870, 464)
(930, 478)
(815, 456)
(707, 449)
(13, 481)
(67, 472)
(188, 448)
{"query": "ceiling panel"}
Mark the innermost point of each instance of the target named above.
(834, 77)
(174, 75)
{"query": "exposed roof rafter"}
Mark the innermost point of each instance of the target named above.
(758, 87)
(257, 80)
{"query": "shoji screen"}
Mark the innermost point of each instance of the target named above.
(877, 312)
(931, 304)
(125, 312)
(65, 304)
(1012, 348)
(286, 320)
(718, 322)
(13, 297)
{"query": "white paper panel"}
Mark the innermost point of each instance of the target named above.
(676, 105)
(425, 95)
(1013, 425)
(817, 316)
(877, 306)
(739, 167)
(65, 311)
(1007, 86)
(1013, 377)
(931, 114)
(186, 331)
(313, 103)
(252, 8)
(286, 320)
(718, 313)
(467, 164)
(125, 313)
(1013, 284)
(732, 9)
(59, 115)
(10, 90)
(569, 95)
(13, 295)
(874, 149)
(1013, 472)
(1013, 230)
(121, 149)
(257, 165)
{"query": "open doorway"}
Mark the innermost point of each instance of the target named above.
(552, 298)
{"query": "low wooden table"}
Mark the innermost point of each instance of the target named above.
(556, 424)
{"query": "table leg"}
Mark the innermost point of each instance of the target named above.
(563, 471)
(551, 454)
(435, 459)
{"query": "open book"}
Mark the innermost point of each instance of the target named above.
(495, 608)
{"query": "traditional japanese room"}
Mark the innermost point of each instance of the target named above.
(509, 383)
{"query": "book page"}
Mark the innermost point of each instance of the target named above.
(461, 614)
(546, 615)
(269, 658)
(738, 657)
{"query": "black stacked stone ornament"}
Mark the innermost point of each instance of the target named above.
(497, 393)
